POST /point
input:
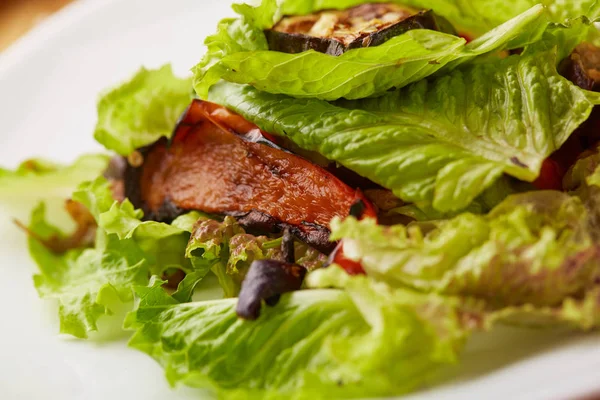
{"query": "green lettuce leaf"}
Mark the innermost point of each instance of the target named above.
(535, 248)
(355, 74)
(85, 281)
(234, 56)
(438, 142)
(473, 17)
(41, 180)
(88, 282)
(580, 312)
(478, 16)
(366, 341)
(583, 180)
(163, 245)
(142, 110)
(564, 37)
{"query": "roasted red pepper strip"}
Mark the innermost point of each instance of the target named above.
(550, 177)
(217, 162)
(350, 266)
(364, 210)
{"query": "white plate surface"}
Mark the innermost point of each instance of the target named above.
(49, 82)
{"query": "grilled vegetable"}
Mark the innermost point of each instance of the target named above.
(219, 163)
(335, 32)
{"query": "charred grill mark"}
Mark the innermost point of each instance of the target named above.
(257, 222)
(287, 246)
(167, 212)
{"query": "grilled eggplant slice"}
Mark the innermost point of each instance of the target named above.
(335, 32)
(217, 162)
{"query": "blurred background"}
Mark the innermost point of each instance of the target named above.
(19, 16)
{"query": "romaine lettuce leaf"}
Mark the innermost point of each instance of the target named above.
(355, 74)
(369, 340)
(142, 110)
(438, 142)
(564, 37)
(535, 248)
(163, 245)
(41, 180)
(533, 260)
(579, 312)
(478, 16)
(85, 281)
(473, 17)
(238, 53)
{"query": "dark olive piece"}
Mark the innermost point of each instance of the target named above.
(267, 280)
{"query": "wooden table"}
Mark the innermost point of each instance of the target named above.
(19, 16)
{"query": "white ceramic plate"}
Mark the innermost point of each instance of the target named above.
(49, 83)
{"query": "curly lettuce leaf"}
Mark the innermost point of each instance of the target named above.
(438, 142)
(369, 340)
(85, 281)
(355, 74)
(163, 244)
(581, 312)
(535, 248)
(142, 110)
(227, 250)
(41, 180)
